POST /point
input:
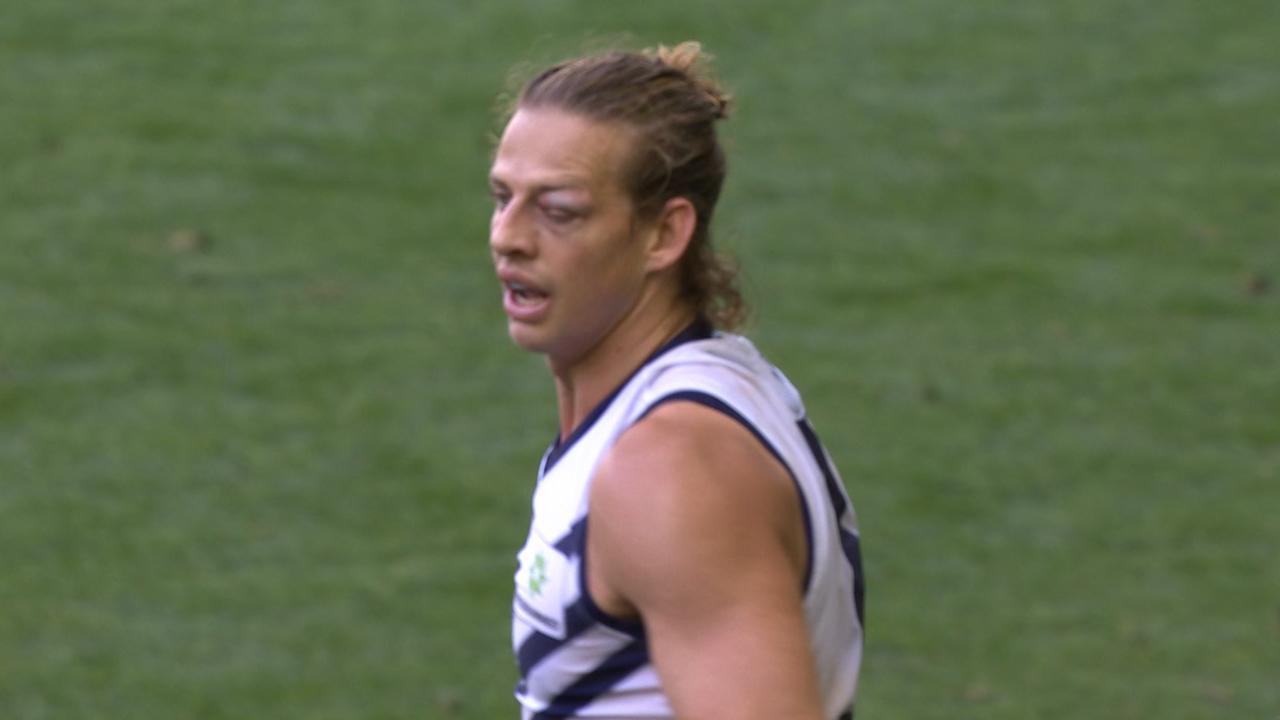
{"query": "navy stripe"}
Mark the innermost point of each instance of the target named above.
(715, 403)
(571, 544)
(596, 683)
(853, 553)
(820, 456)
(632, 627)
(699, 329)
(849, 541)
(538, 646)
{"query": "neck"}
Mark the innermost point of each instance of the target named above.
(584, 383)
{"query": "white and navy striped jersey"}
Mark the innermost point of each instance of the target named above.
(577, 661)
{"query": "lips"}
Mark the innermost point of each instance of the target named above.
(522, 300)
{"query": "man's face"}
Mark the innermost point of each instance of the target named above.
(563, 236)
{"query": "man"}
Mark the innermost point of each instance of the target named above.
(692, 553)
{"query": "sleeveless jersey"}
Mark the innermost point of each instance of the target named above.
(577, 661)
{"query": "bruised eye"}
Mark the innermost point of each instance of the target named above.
(559, 214)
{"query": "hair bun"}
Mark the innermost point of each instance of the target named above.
(688, 58)
(685, 57)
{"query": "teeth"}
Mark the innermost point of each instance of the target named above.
(522, 289)
(521, 292)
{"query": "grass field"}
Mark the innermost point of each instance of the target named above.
(266, 452)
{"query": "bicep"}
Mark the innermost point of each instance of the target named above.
(701, 545)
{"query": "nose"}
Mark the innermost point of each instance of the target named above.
(508, 234)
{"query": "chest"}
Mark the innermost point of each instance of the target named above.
(549, 571)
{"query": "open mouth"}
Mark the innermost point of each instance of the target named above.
(524, 295)
(524, 303)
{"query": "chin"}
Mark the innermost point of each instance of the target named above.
(526, 338)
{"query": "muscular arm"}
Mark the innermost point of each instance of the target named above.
(697, 529)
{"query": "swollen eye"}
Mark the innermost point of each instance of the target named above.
(557, 214)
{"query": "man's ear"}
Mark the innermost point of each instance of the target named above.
(672, 233)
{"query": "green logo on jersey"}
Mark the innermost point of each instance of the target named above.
(538, 574)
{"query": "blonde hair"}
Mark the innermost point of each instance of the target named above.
(669, 98)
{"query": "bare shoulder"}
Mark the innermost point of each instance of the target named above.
(696, 529)
(687, 453)
(685, 493)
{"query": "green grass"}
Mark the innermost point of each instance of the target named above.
(1023, 259)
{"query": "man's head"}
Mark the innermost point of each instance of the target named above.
(667, 105)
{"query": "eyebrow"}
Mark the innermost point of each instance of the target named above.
(568, 182)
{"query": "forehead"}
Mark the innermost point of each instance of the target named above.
(552, 147)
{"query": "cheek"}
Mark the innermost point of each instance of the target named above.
(615, 276)
(600, 263)
(600, 286)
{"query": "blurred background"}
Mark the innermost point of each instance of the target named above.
(266, 451)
